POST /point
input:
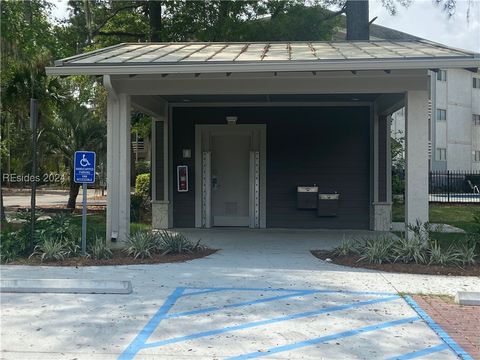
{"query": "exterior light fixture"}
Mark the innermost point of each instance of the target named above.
(187, 153)
(232, 120)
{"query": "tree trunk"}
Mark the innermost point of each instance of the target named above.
(2, 210)
(155, 17)
(88, 20)
(358, 27)
(73, 192)
(133, 166)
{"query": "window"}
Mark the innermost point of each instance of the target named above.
(476, 156)
(476, 120)
(476, 83)
(441, 115)
(441, 154)
(442, 75)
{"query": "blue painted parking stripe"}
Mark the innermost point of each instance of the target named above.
(423, 352)
(325, 291)
(324, 339)
(139, 342)
(457, 349)
(199, 292)
(269, 321)
(240, 304)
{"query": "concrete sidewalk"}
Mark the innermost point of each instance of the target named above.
(269, 263)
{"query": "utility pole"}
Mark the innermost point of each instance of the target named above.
(33, 126)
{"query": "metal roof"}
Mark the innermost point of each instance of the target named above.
(150, 58)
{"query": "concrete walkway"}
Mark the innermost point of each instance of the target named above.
(242, 302)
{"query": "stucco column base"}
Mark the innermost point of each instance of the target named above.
(382, 220)
(160, 214)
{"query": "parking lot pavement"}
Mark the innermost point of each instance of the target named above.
(45, 198)
(245, 323)
(272, 300)
(219, 323)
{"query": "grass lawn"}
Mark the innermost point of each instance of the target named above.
(460, 216)
(96, 223)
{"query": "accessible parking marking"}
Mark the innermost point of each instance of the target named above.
(319, 307)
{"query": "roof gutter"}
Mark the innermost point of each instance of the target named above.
(288, 66)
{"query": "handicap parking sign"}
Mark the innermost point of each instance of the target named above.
(84, 169)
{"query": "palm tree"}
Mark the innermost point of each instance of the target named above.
(75, 128)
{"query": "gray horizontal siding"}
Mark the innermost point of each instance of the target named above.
(328, 146)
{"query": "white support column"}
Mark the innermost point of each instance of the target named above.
(118, 168)
(416, 157)
(160, 202)
(112, 166)
(382, 205)
(124, 171)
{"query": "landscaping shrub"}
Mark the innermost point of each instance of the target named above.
(98, 249)
(60, 229)
(467, 253)
(176, 243)
(136, 206)
(476, 221)
(411, 249)
(142, 185)
(443, 256)
(12, 245)
(378, 250)
(348, 247)
(50, 249)
(59, 226)
(141, 244)
(422, 230)
(142, 167)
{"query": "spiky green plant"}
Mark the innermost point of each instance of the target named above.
(177, 243)
(443, 256)
(141, 244)
(410, 249)
(377, 250)
(50, 249)
(98, 249)
(467, 253)
(347, 247)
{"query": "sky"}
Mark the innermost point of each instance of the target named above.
(422, 19)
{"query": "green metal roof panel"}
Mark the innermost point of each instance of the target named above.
(144, 55)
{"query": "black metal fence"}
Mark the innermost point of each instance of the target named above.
(454, 186)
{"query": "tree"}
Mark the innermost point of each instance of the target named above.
(75, 128)
(358, 27)
(27, 45)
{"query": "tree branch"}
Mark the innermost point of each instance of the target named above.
(336, 13)
(97, 30)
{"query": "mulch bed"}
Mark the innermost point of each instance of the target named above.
(119, 258)
(352, 261)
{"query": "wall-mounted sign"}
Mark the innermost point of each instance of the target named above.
(182, 178)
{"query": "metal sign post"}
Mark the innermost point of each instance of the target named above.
(84, 173)
(33, 126)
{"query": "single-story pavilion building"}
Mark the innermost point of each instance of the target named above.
(268, 135)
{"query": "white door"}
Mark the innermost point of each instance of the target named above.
(230, 179)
